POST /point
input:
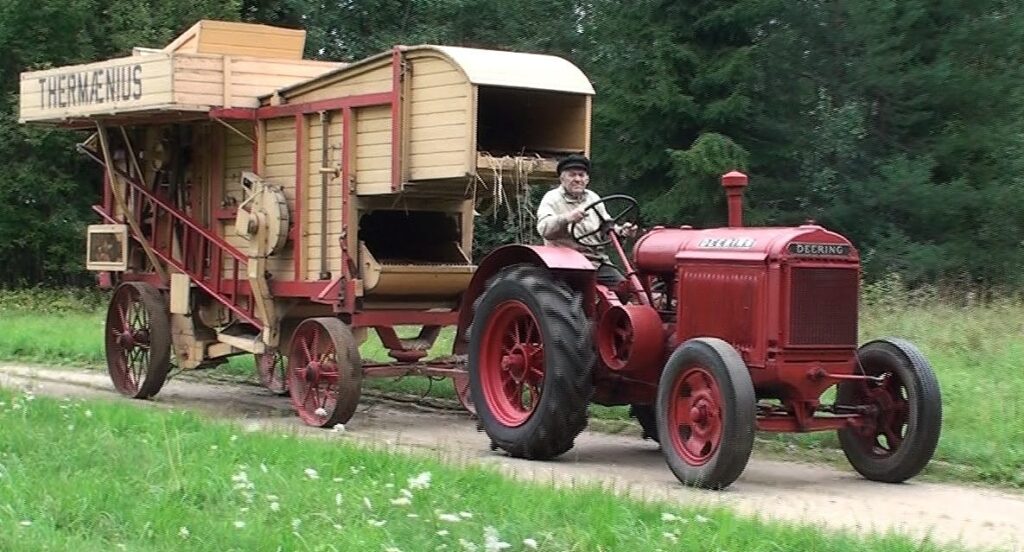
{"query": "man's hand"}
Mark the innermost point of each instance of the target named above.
(627, 230)
(575, 215)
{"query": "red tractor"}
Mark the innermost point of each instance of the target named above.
(715, 334)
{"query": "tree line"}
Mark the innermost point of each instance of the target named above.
(895, 122)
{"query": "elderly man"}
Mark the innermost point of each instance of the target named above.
(567, 204)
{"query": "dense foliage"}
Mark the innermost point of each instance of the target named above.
(896, 122)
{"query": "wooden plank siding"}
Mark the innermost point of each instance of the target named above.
(237, 159)
(373, 150)
(440, 133)
(314, 193)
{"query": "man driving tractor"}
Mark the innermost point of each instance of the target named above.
(563, 215)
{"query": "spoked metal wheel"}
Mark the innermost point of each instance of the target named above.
(516, 349)
(272, 368)
(324, 372)
(706, 413)
(899, 437)
(138, 340)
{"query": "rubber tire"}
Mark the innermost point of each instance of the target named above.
(159, 335)
(739, 412)
(924, 422)
(569, 355)
(647, 417)
(350, 364)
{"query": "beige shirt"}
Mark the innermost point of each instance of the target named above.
(553, 225)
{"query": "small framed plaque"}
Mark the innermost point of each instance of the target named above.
(107, 247)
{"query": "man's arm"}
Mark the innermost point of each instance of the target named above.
(549, 224)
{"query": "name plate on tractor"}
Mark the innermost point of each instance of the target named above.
(107, 247)
(819, 249)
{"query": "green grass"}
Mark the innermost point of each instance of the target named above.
(98, 476)
(976, 351)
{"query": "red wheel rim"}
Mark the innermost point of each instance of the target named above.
(695, 416)
(883, 437)
(313, 378)
(512, 364)
(128, 338)
(273, 376)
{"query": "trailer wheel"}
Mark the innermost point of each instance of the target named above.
(900, 438)
(706, 413)
(530, 363)
(324, 372)
(646, 416)
(273, 372)
(138, 340)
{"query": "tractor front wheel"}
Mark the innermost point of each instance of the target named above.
(706, 411)
(530, 362)
(324, 372)
(138, 340)
(899, 436)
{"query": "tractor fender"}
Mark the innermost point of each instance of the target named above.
(579, 271)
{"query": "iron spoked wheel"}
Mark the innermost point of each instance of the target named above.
(899, 438)
(461, 384)
(272, 368)
(706, 413)
(324, 372)
(138, 340)
(530, 363)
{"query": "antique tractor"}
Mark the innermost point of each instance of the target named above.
(715, 334)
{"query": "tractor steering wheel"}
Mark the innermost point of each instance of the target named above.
(629, 213)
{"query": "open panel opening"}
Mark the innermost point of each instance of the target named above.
(412, 237)
(522, 122)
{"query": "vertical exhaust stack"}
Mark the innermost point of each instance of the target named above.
(734, 182)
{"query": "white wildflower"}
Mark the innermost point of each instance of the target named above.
(413, 516)
(389, 485)
(665, 516)
(239, 524)
(312, 474)
(466, 515)
(530, 543)
(88, 413)
(338, 428)
(401, 501)
(263, 467)
(442, 533)
(25, 523)
(296, 522)
(492, 542)
(392, 549)
(405, 493)
(184, 532)
(338, 479)
(467, 546)
(421, 481)
(213, 447)
(449, 517)
(233, 438)
(272, 498)
(701, 519)
(337, 499)
(320, 412)
(377, 522)
(671, 536)
(366, 501)
(275, 506)
(71, 427)
(337, 526)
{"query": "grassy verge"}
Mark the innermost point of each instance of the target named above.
(107, 476)
(975, 351)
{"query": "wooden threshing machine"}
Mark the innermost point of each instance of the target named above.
(255, 202)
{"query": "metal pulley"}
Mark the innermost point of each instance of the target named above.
(264, 213)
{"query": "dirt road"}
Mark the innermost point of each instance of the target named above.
(770, 489)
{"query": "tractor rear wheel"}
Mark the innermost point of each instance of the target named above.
(324, 372)
(899, 439)
(706, 413)
(530, 363)
(138, 340)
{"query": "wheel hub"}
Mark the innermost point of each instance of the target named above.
(517, 361)
(313, 372)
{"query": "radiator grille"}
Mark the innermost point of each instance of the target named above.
(824, 307)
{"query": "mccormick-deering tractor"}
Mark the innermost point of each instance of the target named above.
(258, 203)
(715, 334)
